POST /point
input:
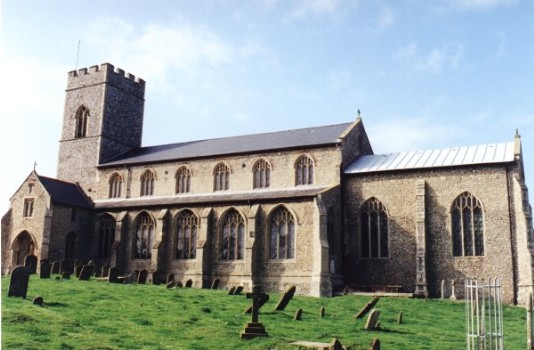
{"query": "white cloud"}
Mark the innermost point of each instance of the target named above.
(434, 61)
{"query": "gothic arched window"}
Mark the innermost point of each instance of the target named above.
(183, 180)
(81, 122)
(232, 236)
(262, 174)
(304, 171)
(374, 230)
(147, 183)
(467, 226)
(115, 186)
(106, 237)
(282, 235)
(221, 177)
(186, 235)
(144, 237)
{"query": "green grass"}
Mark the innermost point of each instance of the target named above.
(97, 315)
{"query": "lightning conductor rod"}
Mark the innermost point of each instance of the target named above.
(77, 55)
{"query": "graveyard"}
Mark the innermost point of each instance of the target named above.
(94, 314)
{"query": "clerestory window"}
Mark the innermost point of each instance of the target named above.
(262, 174)
(221, 177)
(115, 186)
(147, 183)
(183, 180)
(304, 171)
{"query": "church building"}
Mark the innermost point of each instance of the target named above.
(312, 207)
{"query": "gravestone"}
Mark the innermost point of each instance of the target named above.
(55, 267)
(238, 290)
(31, 263)
(170, 277)
(372, 320)
(215, 284)
(453, 295)
(298, 315)
(400, 318)
(179, 284)
(86, 272)
(91, 263)
(38, 300)
(286, 298)
(158, 277)
(255, 328)
(113, 276)
(322, 311)
(264, 297)
(44, 270)
(365, 309)
(443, 291)
(231, 291)
(141, 277)
(66, 266)
(171, 284)
(65, 275)
(18, 283)
(335, 345)
(78, 270)
(375, 344)
(105, 270)
(189, 283)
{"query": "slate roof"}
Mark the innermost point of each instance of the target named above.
(437, 158)
(216, 197)
(307, 137)
(65, 192)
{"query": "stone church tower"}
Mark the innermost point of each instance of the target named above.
(103, 118)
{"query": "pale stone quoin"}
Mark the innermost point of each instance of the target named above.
(312, 207)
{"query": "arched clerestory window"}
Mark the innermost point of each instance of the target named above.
(467, 226)
(374, 235)
(186, 235)
(304, 171)
(106, 236)
(147, 183)
(82, 115)
(144, 237)
(115, 186)
(221, 177)
(183, 180)
(262, 174)
(232, 236)
(282, 234)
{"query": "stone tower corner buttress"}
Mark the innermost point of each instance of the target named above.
(103, 118)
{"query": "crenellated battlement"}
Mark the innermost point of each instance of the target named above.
(107, 68)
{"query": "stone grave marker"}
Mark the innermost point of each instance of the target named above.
(286, 298)
(38, 300)
(189, 283)
(66, 266)
(443, 291)
(372, 320)
(335, 344)
(238, 290)
(453, 294)
(86, 272)
(255, 328)
(298, 315)
(264, 298)
(170, 277)
(44, 270)
(18, 283)
(375, 344)
(78, 270)
(158, 277)
(365, 309)
(215, 284)
(141, 277)
(113, 276)
(400, 318)
(105, 271)
(66, 275)
(231, 291)
(171, 284)
(322, 311)
(31, 263)
(179, 284)
(55, 267)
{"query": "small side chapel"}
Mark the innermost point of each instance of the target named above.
(312, 207)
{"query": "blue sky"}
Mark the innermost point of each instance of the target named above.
(425, 74)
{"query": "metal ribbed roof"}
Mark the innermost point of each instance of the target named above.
(315, 136)
(446, 157)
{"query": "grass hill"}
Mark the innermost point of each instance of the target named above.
(97, 315)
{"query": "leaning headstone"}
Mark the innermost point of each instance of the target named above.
(44, 270)
(66, 266)
(55, 267)
(189, 283)
(372, 320)
(298, 315)
(365, 309)
(171, 284)
(141, 277)
(286, 298)
(170, 277)
(65, 275)
(91, 263)
(375, 344)
(31, 263)
(322, 311)
(231, 291)
(264, 297)
(335, 345)
(38, 300)
(255, 328)
(215, 284)
(86, 272)
(238, 290)
(78, 270)
(105, 270)
(18, 284)
(113, 276)
(400, 317)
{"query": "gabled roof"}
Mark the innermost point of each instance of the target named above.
(63, 192)
(437, 158)
(315, 136)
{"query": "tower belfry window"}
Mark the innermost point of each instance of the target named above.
(81, 122)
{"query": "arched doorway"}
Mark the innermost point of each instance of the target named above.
(22, 247)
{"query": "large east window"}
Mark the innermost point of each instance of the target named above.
(467, 226)
(374, 241)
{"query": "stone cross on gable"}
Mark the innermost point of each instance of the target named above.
(256, 296)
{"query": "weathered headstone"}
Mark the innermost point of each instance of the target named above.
(141, 277)
(365, 309)
(231, 291)
(375, 344)
(171, 284)
(44, 270)
(189, 283)
(18, 284)
(66, 266)
(105, 270)
(215, 283)
(443, 291)
(372, 320)
(335, 345)
(158, 277)
(400, 317)
(31, 263)
(91, 263)
(255, 328)
(38, 300)
(170, 277)
(322, 311)
(298, 315)
(238, 290)
(66, 275)
(286, 298)
(264, 297)
(78, 270)
(113, 276)
(86, 272)
(179, 284)
(453, 295)
(55, 267)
